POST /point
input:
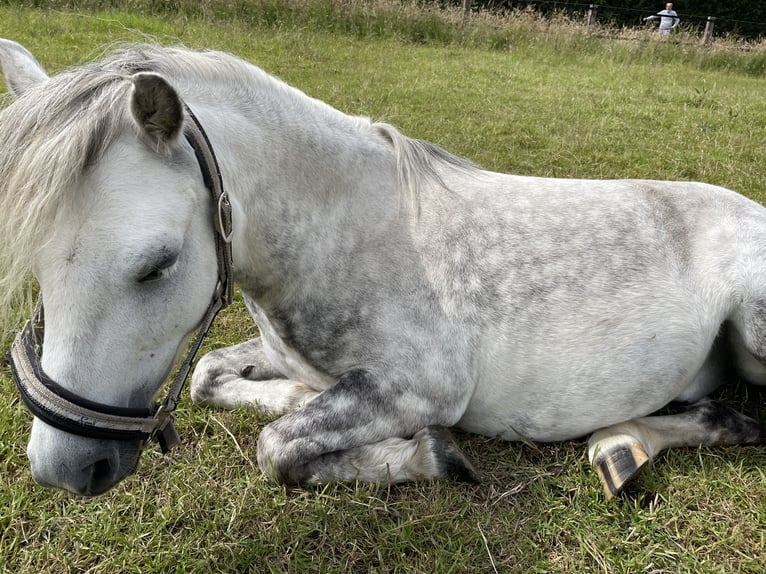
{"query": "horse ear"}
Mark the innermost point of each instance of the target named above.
(156, 107)
(20, 68)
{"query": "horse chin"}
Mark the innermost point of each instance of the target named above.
(82, 466)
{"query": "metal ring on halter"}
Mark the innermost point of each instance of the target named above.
(224, 205)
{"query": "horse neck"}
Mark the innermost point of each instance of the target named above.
(305, 180)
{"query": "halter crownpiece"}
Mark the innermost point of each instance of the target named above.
(62, 409)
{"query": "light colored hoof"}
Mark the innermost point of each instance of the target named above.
(617, 461)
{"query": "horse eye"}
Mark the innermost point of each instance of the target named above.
(155, 272)
(152, 275)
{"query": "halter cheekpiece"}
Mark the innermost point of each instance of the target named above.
(60, 408)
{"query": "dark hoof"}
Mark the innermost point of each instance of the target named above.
(451, 463)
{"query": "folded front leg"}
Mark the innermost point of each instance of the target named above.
(359, 430)
(242, 376)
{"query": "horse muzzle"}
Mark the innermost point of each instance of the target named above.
(79, 465)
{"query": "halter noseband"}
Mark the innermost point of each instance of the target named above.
(60, 408)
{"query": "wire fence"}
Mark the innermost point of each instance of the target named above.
(594, 14)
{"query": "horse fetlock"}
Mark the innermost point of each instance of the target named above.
(617, 459)
(726, 425)
(439, 456)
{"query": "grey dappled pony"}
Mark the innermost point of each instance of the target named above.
(398, 289)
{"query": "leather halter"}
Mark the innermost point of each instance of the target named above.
(60, 408)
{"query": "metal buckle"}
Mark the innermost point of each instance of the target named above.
(225, 231)
(165, 432)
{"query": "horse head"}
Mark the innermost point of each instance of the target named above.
(118, 236)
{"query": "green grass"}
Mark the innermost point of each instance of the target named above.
(541, 102)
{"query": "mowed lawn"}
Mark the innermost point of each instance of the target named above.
(564, 106)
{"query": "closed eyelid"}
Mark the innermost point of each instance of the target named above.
(152, 261)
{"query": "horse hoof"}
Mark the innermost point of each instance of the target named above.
(618, 463)
(448, 459)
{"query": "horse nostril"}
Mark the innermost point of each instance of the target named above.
(102, 467)
(103, 475)
(80, 465)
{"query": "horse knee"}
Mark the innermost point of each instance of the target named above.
(242, 362)
(278, 459)
(206, 376)
(270, 459)
(213, 370)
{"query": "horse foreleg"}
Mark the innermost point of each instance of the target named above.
(242, 376)
(353, 432)
(430, 453)
(619, 452)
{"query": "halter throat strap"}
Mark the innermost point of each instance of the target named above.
(62, 409)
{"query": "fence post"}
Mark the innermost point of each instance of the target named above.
(709, 26)
(592, 11)
(466, 10)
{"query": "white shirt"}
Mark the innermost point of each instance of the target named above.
(668, 19)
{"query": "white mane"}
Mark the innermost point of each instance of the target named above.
(54, 131)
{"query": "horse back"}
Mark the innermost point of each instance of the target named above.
(589, 302)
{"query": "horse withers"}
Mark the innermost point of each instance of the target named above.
(398, 289)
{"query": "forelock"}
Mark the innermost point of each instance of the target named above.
(50, 135)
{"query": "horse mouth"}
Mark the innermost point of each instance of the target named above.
(95, 477)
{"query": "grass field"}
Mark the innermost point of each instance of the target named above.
(533, 101)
